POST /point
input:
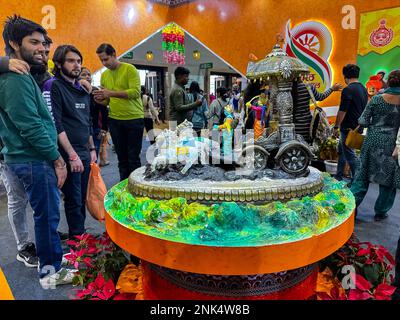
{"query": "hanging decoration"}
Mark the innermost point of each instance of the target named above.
(173, 44)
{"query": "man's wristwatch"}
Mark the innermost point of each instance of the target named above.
(93, 148)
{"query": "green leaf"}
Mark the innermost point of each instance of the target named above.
(76, 281)
(372, 274)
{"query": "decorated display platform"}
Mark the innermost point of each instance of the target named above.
(254, 231)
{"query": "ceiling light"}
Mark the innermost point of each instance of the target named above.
(196, 54)
(149, 55)
(131, 13)
(200, 7)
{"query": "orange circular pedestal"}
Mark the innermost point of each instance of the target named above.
(168, 285)
(214, 260)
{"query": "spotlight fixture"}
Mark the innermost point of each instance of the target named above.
(149, 55)
(196, 54)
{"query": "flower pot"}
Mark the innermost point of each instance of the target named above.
(331, 166)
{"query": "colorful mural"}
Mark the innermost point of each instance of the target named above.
(311, 42)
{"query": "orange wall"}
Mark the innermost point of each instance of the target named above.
(86, 24)
(252, 26)
(248, 26)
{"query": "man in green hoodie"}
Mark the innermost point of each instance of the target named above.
(30, 146)
(16, 196)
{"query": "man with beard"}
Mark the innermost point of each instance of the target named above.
(70, 105)
(30, 152)
(40, 72)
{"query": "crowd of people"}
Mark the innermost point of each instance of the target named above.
(53, 126)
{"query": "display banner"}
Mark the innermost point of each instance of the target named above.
(378, 42)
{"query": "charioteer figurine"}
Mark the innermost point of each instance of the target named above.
(258, 114)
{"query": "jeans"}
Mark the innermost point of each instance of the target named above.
(75, 190)
(127, 136)
(40, 184)
(346, 154)
(149, 125)
(17, 202)
(97, 141)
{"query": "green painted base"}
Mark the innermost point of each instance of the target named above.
(230, 224)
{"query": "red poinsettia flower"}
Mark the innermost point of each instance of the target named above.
(83, 240)
(88, 262)
(362, 288)
(361, 283)
(72, 243)
(102, 289)
(387, 255)
(356, 294)
(94, 249)
(75, 257)
(84, 293)
(384, 292)
(363, 252)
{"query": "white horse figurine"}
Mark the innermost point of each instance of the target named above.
(181, 146)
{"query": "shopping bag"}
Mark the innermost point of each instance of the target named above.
(95, 193)
(354, 139)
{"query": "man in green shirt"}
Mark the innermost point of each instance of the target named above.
(180, 106)
(121, 91)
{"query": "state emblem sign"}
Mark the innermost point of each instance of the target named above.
(382, 36)
(311, 42)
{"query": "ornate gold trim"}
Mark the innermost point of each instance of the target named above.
(259, 194)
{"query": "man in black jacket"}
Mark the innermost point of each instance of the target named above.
(70, 106)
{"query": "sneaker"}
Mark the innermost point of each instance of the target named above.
(64, 262)
(28, 256)
(103, 164)
(62, 276)
(380, 217)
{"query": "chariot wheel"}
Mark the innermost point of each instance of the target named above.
(294, 160)
(254, 157)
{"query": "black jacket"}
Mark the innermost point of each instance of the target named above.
(70, 106)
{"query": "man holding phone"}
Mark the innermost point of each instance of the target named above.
(179, 101)
(121, 91)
